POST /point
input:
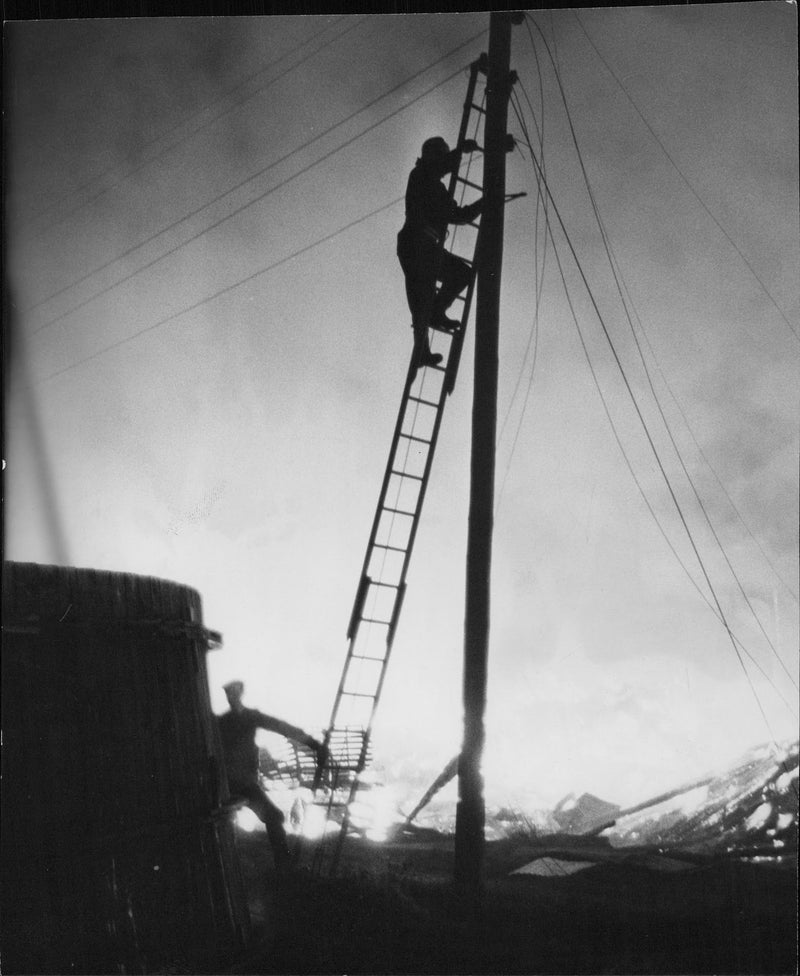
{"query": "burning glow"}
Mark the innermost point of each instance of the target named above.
(247, 821)
(759, 817)
(316, 823)
(375, 811)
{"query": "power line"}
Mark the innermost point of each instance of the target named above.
(720, 612)
(647, 432)
(655, 358)
(666, 381)
(612, 262)
(685, 179)
(712, 469)
(162, 135)
(540, 183)
(249, 179)
(221, 291)
(276, 264)
(167, 149)
(533, 334)
(716, 610)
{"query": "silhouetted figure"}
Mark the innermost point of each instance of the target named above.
(238, 733)
(429, 209)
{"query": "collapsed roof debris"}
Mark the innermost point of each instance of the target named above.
(748, 812)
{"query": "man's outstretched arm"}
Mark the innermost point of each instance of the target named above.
(289, 731)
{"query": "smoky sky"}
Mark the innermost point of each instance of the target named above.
(215, 326)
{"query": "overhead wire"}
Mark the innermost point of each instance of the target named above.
(685, 179)
(524, 127)
(204, 125)
(261, 271)
(222, 291)
(250, 179)
(716, 610)
(697, 494)
(540, 181)
(615, 432)
(712, 469)
(540, 175)
(616, 274)
(43, 211)
(675, 399)
(720, 612)
(533, 333)
(653, 391)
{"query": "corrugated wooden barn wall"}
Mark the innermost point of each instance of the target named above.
(118, 854)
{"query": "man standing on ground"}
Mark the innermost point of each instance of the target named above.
(238, 733)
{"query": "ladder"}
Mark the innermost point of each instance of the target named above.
(382, 585)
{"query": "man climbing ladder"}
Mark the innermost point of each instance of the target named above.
(382, 584)
(429, 209)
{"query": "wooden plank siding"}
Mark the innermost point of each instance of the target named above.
(118, 848)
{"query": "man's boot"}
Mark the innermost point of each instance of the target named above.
(441, 322)
(422, 350)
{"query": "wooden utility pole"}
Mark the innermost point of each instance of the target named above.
(470, 817)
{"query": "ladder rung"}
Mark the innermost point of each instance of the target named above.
(430, 403)
(462, 179)
(413, 437)
(398, 511)
(466, 261)
(402, 474)
(349, 743)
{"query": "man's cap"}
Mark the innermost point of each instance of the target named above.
(234, 686)
(434, 148)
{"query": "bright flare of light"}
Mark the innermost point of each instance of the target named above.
(246, 820)
(759, 817)
(316, 823)
(375, 812)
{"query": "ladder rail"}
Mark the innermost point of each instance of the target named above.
(365, 580)
(454, 359)
(397, 472)
(480, 65)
